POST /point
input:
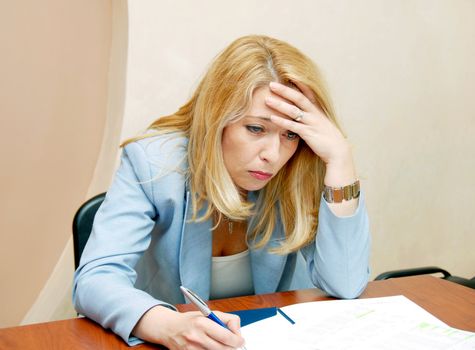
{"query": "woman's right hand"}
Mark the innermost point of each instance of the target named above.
(188, 330)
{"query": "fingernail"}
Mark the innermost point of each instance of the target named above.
(273, 85)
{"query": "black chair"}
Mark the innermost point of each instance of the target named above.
(426, 271)
(82, 224)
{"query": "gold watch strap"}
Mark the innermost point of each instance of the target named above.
(339, 194)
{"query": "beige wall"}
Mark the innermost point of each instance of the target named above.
(400, 72)
(403, 81)
(53, 90)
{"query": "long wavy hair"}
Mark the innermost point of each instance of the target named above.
(224, 94)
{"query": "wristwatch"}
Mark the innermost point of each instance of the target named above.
(339, 194)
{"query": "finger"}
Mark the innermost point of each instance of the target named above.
(233, 322)
(283, 107)
(210, 343)
(223, 335)
(306, 91)
(202, 341)
(296, 97)
(312, 98)
(290, 125)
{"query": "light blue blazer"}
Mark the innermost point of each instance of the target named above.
(143, 247)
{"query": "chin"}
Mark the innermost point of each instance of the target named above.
(253, 187)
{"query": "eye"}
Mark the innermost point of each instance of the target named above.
(291, 135)
(255, 129)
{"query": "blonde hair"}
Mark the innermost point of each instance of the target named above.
(224, 95)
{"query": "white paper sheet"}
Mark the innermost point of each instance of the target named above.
(377, 323)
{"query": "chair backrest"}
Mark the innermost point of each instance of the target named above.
(82, 224)
(413, 272)
(427, 270)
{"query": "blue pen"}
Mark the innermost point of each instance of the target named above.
(201, 305)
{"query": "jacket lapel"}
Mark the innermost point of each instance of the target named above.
(195, 252)
(267, 268)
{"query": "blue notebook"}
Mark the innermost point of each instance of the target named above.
(254, 315)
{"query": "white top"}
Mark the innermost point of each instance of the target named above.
(231, 276)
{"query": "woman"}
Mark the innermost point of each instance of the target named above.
(225, 197)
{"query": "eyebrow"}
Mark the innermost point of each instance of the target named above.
(265, 117)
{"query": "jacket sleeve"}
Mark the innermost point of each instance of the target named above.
(338, 261)
(104, 282)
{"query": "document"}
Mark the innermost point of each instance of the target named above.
(377, 323)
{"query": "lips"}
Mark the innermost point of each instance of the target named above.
(260, 175)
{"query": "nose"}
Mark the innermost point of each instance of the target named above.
(270, 151)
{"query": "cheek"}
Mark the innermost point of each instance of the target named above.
(226, 144)
(232, 151)
(236, 147)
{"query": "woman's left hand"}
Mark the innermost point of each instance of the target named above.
(309, 121)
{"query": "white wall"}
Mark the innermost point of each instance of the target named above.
(402, 77)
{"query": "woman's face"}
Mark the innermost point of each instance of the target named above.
(254, 148)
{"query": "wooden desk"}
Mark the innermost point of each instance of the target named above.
(452, 303)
